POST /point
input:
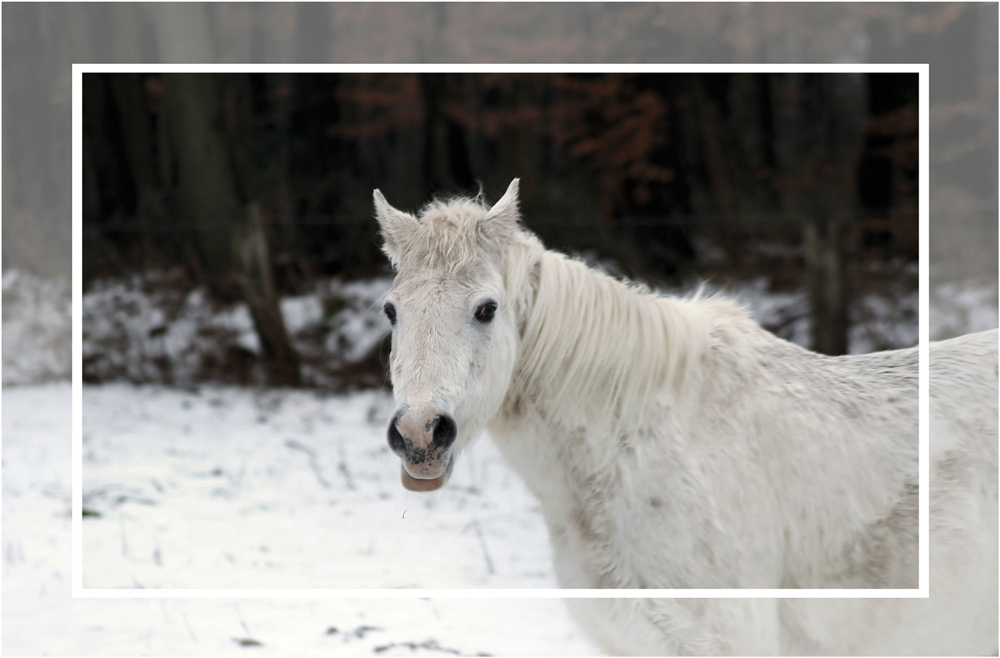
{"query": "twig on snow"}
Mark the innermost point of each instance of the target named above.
(342, 468)
(482, 545)
(188, 626)
(313, 461)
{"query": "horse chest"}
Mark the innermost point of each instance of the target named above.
(620, 520)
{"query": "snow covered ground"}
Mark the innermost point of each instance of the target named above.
(154, 329)
(164, 526)
(229, 488)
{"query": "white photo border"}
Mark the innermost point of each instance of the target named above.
(80, 592)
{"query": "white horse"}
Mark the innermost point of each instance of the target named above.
(673, 443)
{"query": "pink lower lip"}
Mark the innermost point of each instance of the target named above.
(417, 484)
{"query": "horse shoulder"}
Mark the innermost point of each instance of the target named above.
(777, 414)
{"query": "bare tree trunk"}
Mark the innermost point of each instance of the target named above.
(128, 92)
(823, 238)
(205, 181)
(256, 281)
(816, 155)
(232, 245)
(718, 171)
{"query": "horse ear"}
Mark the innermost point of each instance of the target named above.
(506, 207)
(395, 225)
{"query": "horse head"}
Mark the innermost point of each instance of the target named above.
(454, 326)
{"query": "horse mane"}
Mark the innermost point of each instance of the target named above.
(591, 342)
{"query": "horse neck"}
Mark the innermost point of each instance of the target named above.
(596, 351)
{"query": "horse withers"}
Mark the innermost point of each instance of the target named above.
(674, 443)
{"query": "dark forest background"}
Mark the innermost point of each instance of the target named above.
(255, 185)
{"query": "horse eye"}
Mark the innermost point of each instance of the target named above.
(390, 312)
(485, 312)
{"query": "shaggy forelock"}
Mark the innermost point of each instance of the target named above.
(451, 234)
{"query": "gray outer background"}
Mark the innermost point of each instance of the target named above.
(41, 41)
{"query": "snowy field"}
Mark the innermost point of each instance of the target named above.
(228, 488)
(216, 486)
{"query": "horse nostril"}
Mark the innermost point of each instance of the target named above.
(396, 441)
(445, 431)
(416, 437)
